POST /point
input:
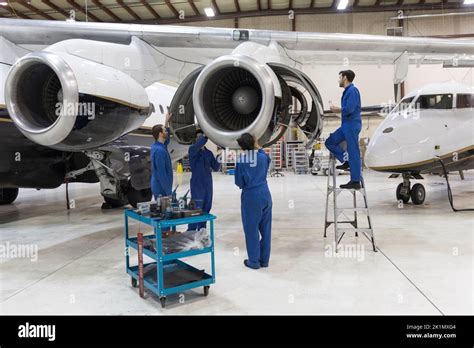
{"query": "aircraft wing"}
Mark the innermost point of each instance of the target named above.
(213, 42)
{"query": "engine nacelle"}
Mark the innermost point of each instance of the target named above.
(72, 104)
(237, 94)
(233, 95)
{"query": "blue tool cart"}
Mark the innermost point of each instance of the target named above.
(172, 275)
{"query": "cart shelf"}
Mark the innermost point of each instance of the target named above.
(171, 275)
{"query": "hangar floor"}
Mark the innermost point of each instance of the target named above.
(424, 266)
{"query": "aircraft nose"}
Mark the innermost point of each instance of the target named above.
(383, 151)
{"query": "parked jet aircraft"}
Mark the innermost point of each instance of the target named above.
(75, 97)
(431, 123)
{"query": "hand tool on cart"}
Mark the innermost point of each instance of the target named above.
(173, 195)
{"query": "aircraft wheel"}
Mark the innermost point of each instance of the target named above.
(111, 203)
(403, 198)
(418, 194)
(8, 195)
(137, 196)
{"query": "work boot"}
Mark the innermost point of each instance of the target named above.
(344, 166)
(249, 265)
(351, 185)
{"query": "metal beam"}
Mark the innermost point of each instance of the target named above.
(150, 9)
(128, 9)
(236, 3)
(216, 8)
(106, 10)
(196, 11)
(34, 9)
(171, 7)
(312, 4)
(316, 10)
(56, 8)
(259, 5)
(290, 4)
(14, 12)
(80, 9)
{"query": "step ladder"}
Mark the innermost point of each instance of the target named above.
(274, 152)
(339, 232)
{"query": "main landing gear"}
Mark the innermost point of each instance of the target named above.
(417, 193)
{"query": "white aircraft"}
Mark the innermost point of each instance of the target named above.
(430, 124)
(75, 96)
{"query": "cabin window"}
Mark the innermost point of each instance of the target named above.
(465, 101)
(435, 101)
(403, 105)
(161, 109)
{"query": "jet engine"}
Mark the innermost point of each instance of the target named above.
(72, 104)
(236, 94)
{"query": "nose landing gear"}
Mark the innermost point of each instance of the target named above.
(417, 193)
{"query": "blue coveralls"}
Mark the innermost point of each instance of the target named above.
(161, 169)
(256, 206)
(202, 163)
(349, 131)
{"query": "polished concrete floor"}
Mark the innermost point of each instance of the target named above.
(424, 263)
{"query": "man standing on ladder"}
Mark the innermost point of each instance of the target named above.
(351, 125)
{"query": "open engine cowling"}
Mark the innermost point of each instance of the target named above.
(72, 104)
(236, 94)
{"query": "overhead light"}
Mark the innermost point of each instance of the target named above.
(3, 3)
(468, 2)
(342, 4)
(209, 12)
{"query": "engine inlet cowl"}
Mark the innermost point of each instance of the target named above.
(55, 101)
(235, 95)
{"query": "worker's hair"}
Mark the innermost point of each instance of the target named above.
(156, 130)
(349, 74)
(199, 131)
(246, 142)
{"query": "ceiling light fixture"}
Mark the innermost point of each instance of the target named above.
(209, 12)
(342, 4)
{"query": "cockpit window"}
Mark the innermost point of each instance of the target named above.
(465, 101)
(404, 104)
(435, 101)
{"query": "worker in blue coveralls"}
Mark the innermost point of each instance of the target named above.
(351, 125)
(255, 201)
(202, 162)
(161, 168)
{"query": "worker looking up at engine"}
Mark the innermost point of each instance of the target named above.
(161, 169)
(351, 125)
(202, 162)
(256, 201)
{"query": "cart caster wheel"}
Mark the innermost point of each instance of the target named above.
(206, 290)
(134, 282)
(163, 302)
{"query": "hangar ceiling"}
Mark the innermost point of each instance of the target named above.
(179, 11)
